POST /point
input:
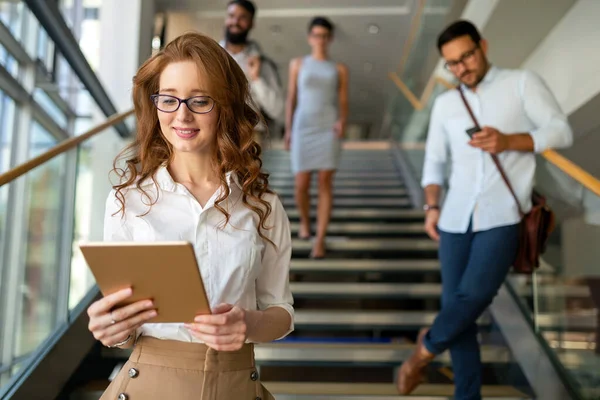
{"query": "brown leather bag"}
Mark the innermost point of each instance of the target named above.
(535, 226)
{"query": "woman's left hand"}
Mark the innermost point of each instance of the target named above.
(224, 330)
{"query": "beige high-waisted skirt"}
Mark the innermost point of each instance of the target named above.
(167, 369)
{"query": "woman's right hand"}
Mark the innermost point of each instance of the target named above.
(111, 326)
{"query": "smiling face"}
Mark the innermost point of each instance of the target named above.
(238, 24)
(185, 130)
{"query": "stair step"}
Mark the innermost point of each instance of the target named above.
(346, 183)
(365, 290)
(367, 228)
(340, 265)
(348, 214)
(380, 244)
(343, 319)
(345, 391)
(350, 192)
(367, 319)
(396, 290)
(379, 391)
(342, 174)
(355, 202)
(355, 353)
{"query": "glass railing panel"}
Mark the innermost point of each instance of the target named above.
(32, 209)
(44, 215)
(8, 112)
(563, 298)
(95, 158)
(38, 314)
(424, 55)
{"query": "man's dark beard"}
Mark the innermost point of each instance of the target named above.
(479, 78)
(235, 38)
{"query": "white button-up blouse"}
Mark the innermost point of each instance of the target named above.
(237, 266)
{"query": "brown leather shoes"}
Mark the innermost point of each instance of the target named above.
(411, 372)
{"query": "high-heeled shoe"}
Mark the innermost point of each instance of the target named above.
(315, 256)
(304, 237)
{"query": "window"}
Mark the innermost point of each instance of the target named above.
(7, 122)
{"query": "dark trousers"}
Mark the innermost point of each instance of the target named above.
(474, 266)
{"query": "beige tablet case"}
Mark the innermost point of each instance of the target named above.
(164, 272)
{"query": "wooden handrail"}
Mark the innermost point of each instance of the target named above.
(589, 181)
(62, 147)
(414, 28)
(406, 91)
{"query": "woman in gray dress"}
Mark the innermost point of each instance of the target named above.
(316, 112)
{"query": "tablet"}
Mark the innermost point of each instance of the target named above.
(166, 272)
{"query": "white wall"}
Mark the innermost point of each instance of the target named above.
(125, 42)
(569, 57)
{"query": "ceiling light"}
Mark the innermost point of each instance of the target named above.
(373, 29)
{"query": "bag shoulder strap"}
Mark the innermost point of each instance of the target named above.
(494, 157)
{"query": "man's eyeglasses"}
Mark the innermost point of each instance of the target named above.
(466, 57)
(170, 104)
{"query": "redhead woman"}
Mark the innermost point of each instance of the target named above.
(194, 174)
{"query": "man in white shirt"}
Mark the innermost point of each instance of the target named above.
(265, 84)
(478, 226)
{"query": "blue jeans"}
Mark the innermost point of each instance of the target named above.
(474, 266)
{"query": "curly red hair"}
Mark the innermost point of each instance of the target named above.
(236, 150)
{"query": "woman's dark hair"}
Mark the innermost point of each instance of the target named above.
(456, 30)
(321, 21)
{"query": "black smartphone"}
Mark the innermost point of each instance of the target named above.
(472, 131)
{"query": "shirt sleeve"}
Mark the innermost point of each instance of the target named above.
(552, 129)
(272, 284)
(436, 150)
(115, 229)
(267, 92)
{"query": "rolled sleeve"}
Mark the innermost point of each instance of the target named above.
(267, 92)
(436, 150)
(552, 129)
(272, 284)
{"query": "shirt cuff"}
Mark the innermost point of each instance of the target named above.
(290, 311)
(433, 174)
(539, 142)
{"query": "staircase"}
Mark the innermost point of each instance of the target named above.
(358, 310)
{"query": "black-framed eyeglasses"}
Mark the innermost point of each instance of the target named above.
(169, 104)
(466, 57)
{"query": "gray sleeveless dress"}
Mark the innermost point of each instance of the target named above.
(314, 145)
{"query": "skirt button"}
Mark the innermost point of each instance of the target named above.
(133, 373)
(123, 396)
(254, 376)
